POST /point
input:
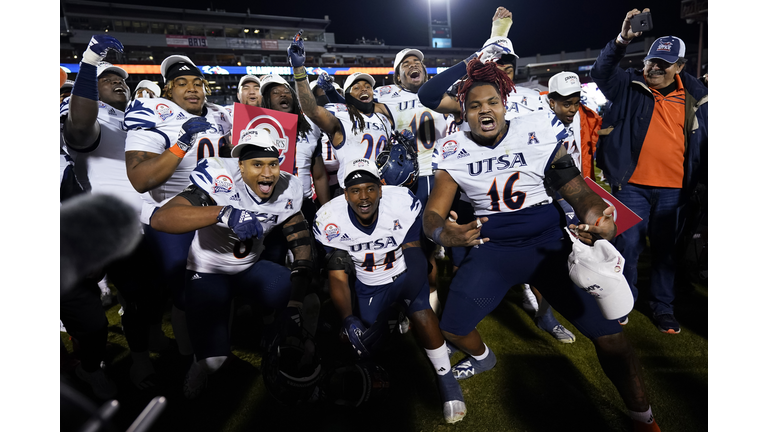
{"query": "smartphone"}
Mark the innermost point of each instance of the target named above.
(641, 22)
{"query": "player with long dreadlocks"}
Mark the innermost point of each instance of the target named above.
(361, 128)
(510, 169)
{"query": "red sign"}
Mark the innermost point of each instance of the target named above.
(280, 126)
(186, 41)
(623, 217)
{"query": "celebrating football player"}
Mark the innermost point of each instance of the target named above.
(167, 136)
(93, 132)
(508, 169)
(359, 129)
(230, 206)
(372, 234)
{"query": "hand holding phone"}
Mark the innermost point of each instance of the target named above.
(641, 22)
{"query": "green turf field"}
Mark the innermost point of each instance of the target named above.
(538, 384)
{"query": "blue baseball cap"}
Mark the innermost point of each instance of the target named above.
(667, 48)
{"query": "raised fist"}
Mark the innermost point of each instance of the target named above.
(98, 48)
(296, 51)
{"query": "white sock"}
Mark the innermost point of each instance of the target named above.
(439, 359)
(484, 354)
(644, 417)
(179, 324)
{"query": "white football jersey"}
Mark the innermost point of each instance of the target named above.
(154, 125)
(574, 133)
(509, 176)
(329, 159)
(103, 169)
(216, 248)
(307, 148)
(408, 113)
(356, 145)
(377, 250)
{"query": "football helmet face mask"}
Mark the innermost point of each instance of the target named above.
(292, 367)
(398, 163)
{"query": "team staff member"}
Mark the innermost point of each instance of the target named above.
(230, 206)
(372, 234)
(652, 154)
(93, 131)
(518, 233)
(167, 136)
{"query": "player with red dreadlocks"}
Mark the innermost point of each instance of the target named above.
(479, 73)
(510, 170)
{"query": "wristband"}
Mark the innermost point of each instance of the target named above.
(436, 236)
(86, 82)
(177, 151)
(622, 41)
(301, 76)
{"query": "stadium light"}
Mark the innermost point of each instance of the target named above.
(245, 30)
(256, 31)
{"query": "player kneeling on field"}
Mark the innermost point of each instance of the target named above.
(233, 204)
(372, 234)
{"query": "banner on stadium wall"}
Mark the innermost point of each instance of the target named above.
(280, 126)
(269, 44)
(186, 41)
(623, 217)
(255, 70)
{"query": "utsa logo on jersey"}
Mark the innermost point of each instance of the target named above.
(501, 163)
(374, 244)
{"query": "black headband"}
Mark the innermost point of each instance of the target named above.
(180, 69)
(358, 177)
(254, 151)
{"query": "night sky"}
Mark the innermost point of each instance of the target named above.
(541, 26)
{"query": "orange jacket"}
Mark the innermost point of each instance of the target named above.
(590, 124)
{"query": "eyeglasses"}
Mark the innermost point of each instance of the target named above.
(660, 63)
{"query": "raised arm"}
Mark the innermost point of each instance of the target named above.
(81, 129)
(319, 115)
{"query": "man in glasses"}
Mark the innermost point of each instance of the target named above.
(653, 154)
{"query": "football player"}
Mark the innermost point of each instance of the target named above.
(230, 206)
(359, 129)
(147, 89)
(372, 235)
(497, 50)
(249, 90)
(309, 168)
(508, 169)
(166, 138)
(94, 134)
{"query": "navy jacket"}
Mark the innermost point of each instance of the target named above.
(627, 122)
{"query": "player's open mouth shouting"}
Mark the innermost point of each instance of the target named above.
(487, 122)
